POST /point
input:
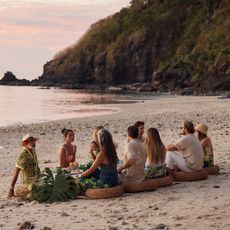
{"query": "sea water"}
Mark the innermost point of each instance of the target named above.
(23, 105)
(19, 104)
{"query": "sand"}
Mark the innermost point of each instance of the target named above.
(184, 205)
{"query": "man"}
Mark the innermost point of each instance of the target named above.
(141, 128)
(27, 166)
(187, 153)
(135, 157)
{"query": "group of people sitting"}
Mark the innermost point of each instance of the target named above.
(145, 156)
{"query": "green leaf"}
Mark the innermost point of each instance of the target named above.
(50, 188)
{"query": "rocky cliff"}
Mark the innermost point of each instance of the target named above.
(170, 44)
(10, 79)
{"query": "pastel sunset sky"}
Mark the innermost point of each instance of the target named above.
(33, 31)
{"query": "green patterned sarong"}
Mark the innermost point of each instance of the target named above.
(155, 171)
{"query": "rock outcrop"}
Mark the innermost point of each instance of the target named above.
(10, 79)
(170, 44)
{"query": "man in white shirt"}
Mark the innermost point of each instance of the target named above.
(135, 156)
(187, 153)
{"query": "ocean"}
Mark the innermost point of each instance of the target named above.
(26, 104)
(23, 105)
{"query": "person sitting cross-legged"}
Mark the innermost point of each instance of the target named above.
(106, 161)
(132, 169)
(187, 153)
(155, 164)
(26, 166)
(206, 143)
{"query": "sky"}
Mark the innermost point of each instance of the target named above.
(33, 31)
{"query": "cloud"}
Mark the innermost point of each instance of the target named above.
(34, 31)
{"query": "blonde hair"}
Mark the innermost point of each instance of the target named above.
(95, 131)
(155, 148)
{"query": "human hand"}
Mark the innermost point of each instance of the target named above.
(119, 169)
(115, 145)
(10, 193)
(92, 146)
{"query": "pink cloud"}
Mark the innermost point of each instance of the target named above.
(45, 28)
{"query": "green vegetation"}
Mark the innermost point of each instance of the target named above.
(192, 35)
(53, 188)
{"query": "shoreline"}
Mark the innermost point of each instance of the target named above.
(83, 113)
(186, 205)
(58, 104)
(131, 88)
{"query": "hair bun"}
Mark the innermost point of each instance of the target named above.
(63, 131)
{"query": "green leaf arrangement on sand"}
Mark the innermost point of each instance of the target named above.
(91, 183)
(56, 187)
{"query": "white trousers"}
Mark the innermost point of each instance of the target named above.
(174, 158)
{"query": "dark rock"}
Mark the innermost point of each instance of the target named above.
(160, 226)
(216, 186)
(111, 228)
(137, 85)
(157, 78)
(9, 77)
(25, 225)
(146, 88)
(225, 96)
(187, 91)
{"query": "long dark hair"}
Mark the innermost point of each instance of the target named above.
(107, 145)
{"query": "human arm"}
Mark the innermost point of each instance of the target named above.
(127, 164)
(205, 142)
(15, 177)
(130, 157)
(74, 154)
(95, 165)
(171, 147)
(62, 160)
(92, 155)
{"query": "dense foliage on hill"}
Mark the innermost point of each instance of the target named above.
(171, 44)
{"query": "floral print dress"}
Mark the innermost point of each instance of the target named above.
(28, 163)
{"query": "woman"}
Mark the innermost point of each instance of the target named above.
(94, 147)
(67, 152)
(106, 161)
(206, 143)
(93, 152)
(154, 166)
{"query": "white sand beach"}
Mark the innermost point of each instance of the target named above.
(184, 205)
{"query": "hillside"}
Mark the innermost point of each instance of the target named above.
(171, 44)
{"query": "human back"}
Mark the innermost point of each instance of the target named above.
(206, 143)
(106, 160)
(156, 152)
(187, 153)
(191, 149)
(136, 154)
